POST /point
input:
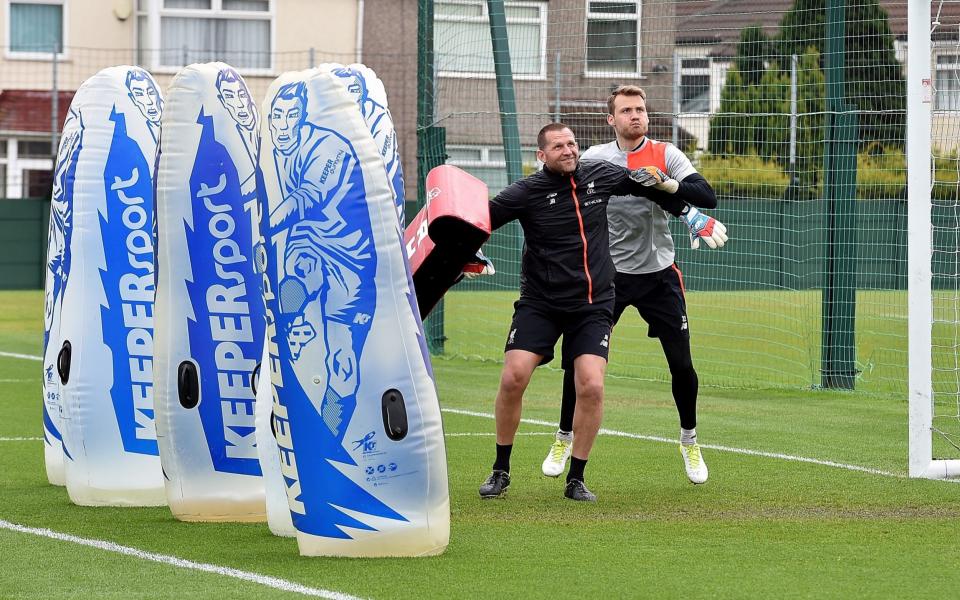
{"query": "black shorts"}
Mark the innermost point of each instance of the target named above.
(537, 326)
(658, 297)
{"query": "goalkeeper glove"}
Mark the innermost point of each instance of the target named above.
(652, 176)
(703, 227)
(479, 265)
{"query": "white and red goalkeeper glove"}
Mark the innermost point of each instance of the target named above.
(703, 227)
(480, 265)
(653, 176)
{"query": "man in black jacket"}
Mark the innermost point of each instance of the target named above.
(566, 285)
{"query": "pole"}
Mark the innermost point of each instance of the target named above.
(793, 119)
(54, 108)
(919, 239)
(505, 94)
(556, 89)
(838, 343)
(675, 127)
(431, 145)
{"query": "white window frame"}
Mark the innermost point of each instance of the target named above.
(954, 68)
(708, 70)
(10, 54)
(638, 17)
(540, 5)
(16, 165)
(155, 12)
(485, 162)
(485, 151)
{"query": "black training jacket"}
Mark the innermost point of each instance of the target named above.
(566, 253)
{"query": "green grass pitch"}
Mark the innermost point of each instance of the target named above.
(762, 527)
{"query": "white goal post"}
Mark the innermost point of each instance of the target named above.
(922, 462)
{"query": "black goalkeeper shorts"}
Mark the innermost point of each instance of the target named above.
(658, 297)
(537, 326)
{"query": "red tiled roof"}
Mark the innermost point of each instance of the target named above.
(29, 110)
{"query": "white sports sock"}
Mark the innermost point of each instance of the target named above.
(688, 437)
(565, 436)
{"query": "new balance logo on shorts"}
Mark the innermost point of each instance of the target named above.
(683, 322)
(605, 342)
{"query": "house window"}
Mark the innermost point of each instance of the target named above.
(948, 82)
(613, 37)
(487, 163)
(25, 168)
(36, 27)
(462, 38)
(695, 85)
(178, 32)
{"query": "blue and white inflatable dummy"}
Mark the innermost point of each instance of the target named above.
(368, 92)
(355, 410)
(371, 97)
(209, 308)
(57, 274)
(278, 511)
(105, 232)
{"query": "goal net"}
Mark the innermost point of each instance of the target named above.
(795, 112)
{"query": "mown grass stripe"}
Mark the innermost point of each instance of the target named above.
(745, 451)
(265, 580)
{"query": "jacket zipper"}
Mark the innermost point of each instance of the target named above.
(583, 238)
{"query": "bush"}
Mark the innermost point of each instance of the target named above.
(747, 176)
(946, 176)
(881, 172)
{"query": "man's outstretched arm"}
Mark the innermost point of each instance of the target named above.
(664, 191)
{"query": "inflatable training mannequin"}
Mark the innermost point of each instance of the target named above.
(106, 323)
(278, 511)
(209, 307)
(355, 410)
(444, 239)
(57, 274)
(366, 89)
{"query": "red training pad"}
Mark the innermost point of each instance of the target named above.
(446, 234)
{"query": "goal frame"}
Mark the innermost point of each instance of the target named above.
(920, 247)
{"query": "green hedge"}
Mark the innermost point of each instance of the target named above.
(881, 173)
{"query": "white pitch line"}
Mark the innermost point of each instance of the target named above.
(21, 439)
(746, 451)
(654, 438)
(493, 433)
(23, 356)
(265, 580)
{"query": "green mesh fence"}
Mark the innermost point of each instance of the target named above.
(794, 111)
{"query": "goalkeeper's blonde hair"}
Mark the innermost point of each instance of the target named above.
(624, 90)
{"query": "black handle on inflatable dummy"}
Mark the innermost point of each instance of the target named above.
(63, 362)
(394, 415)
(188, 385)
(255, 379)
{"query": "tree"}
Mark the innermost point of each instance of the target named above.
(753, 50)
(734, 129)
(754, 112)
(811, 105)
(874, 77)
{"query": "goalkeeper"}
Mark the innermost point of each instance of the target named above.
(566, 285)
(647, 277)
